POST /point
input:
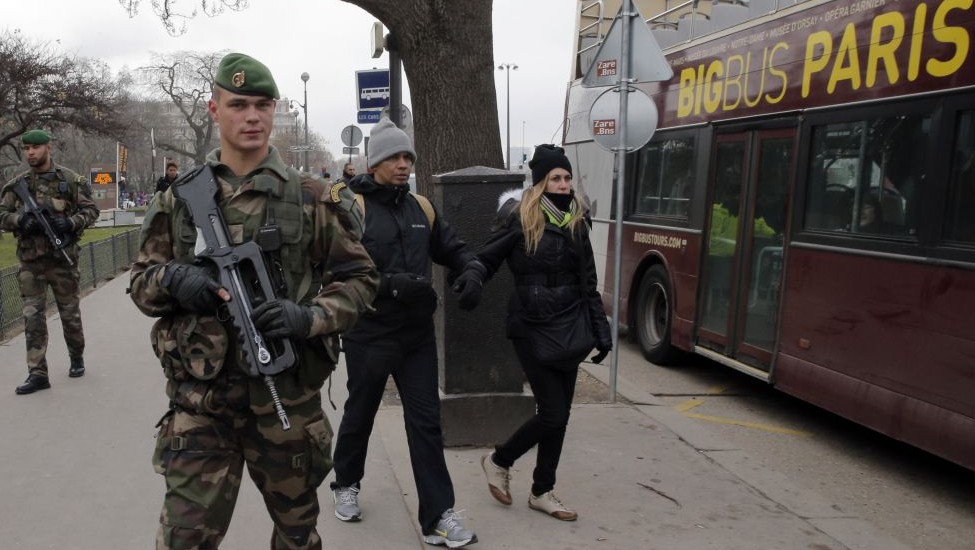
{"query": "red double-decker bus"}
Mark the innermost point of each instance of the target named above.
(805, 211)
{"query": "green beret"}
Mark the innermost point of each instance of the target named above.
(35, 137)
(242, 74)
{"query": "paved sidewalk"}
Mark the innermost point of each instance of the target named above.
(75, 470)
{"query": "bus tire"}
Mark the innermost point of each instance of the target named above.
(654, 317)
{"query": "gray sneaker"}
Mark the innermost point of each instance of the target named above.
(450, 532)
(347, 503)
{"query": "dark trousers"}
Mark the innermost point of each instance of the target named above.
(553, 389)
(411, 359)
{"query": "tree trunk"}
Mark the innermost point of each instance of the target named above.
(447, 52)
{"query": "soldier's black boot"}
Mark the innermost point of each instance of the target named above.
(33, 384)
(77, 368)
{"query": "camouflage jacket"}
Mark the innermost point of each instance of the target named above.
(63, 192)
(323, 262)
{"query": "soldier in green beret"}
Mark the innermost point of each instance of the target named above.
(65, 198)
(220, 417)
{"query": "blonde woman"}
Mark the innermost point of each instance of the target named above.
(555, 315)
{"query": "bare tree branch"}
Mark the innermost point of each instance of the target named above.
(175, 19)
(184, 82)
(41, 88)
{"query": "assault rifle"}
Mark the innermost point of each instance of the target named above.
(243, 272)
(41, 214)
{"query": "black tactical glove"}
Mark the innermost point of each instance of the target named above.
(469, 284)
(281, 318)
(193, 287)
(28, 224)
(407, 288)
(62, 225)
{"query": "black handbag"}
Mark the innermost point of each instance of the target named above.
(562, 339)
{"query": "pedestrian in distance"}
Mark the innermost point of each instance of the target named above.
(348, 172)
(65, 205)
(220, 416)
(555, 315)
(404, 235)
(172, 172)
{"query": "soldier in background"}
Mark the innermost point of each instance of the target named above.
(220, 417)
(66, 198)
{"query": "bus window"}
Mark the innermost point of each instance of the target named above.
(961, 209)
(665, 175)
(865, 176)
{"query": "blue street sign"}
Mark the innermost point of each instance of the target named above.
(372, 89)
(368, 117)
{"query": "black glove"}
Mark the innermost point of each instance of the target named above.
(407, 288)
(604, 339)
(469, 285)
(282, 318)
(62, 225)
(28, 224)
(193, 287)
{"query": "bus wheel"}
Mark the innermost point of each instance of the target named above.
(653, 317)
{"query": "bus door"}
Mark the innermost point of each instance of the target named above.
(747, 213)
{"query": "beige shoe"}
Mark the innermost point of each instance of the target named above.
(498, 479)
(551, 505)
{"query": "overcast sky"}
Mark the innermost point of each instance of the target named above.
(329, 39)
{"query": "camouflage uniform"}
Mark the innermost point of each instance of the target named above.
(220, 417)
(41, 265)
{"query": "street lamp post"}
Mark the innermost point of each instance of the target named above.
(297, 156)
(522, 163)
(304, 78)
(506, 67)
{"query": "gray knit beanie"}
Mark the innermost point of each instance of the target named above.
(386, 140)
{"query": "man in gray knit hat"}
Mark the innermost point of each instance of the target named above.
(404, 234)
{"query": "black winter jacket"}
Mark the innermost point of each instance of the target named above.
(548, 281)
(399, 238)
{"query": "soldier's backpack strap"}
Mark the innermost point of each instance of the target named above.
(424, 203)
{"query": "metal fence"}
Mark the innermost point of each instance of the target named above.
(97, 261)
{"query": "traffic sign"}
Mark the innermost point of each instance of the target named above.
(351, 135)
(297, 148)
(649, 65)
(350, 150)
(372, 89)
(405, 117)
(368, 117)
(641, 120)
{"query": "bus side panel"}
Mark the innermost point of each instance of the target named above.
(680, 253)
(852, 314)
(945, 433)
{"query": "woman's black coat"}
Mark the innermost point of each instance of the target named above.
(546, 282)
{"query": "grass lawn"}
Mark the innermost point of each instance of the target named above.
(8, 243)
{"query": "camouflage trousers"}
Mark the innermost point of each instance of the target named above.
(202, 458)
(34, 277)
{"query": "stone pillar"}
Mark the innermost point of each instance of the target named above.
(482, 386)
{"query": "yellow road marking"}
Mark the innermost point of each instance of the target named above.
(752, 425)
(718, 390)
(697, 401)
(688, 405)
